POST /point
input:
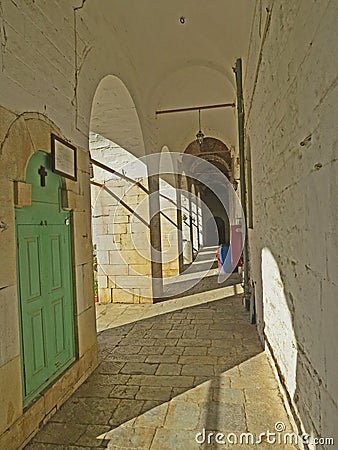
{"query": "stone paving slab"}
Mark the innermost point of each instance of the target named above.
(131, 438)
(61, 433)
(86, 410)
(122, 391)
(94, 436)
(169, 369)
(128, 409)
(154, 393)
(139, 368)
(168, 359)
(156, 415)
(125, 358)
(159, 392)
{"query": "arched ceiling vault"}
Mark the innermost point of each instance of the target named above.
(114, 115)
(175, 54)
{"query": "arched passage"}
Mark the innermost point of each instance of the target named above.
(215, 229)
(120, 210)
(114, 116)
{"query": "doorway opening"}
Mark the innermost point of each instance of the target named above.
(45, 281)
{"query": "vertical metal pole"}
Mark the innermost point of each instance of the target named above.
(179, 222)
(240, 114)
(155, 235)
(198, 198)
(191, 224)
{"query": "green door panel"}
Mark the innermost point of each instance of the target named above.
(56, 258)
(36, 329)
(30, 244)
(45, 281)
(58, 320)
(59, 291)
(33, 320)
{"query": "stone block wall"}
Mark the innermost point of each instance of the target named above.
(123, 252)
(291, 112)
(120, 219)
(121, 233)
(169, 230)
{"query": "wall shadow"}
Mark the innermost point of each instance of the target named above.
(291, 313)
(147, 363)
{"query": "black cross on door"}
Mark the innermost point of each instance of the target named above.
(43, 173)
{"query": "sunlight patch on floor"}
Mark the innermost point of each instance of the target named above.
(115, 315)
(243, 401)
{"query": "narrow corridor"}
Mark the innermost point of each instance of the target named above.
(134, 134)
(169, 371)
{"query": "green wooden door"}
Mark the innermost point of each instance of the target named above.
(45, 282)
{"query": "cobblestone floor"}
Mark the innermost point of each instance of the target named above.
(167, 372)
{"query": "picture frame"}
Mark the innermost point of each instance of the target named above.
(64, 157)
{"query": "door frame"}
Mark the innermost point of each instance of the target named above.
(57, 212)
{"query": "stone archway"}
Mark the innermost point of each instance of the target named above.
(215, 229)
(120, 210)
(215, 226)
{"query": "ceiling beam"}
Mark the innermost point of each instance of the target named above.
(195, 108)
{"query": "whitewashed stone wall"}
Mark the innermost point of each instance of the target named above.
(291, 115)
(38, 96)
(20, 137)
(37, 60)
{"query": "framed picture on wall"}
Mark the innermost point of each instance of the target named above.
(64, 157)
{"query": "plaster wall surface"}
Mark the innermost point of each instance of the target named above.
(45, 48)
(291, 112)
(39, 39)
